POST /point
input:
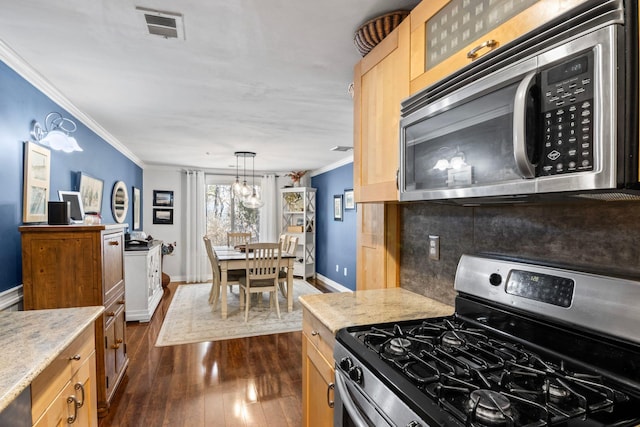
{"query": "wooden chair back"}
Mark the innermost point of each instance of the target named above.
(236, 238)
(263, 261)
(292, 244)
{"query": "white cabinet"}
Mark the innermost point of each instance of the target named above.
(143, 289)
(299, 219)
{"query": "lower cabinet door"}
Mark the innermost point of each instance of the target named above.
(76, 404)
(317, 387)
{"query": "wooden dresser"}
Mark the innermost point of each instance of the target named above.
(77, 266)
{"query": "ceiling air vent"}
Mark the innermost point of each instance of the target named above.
(341, 148)
(169, 25)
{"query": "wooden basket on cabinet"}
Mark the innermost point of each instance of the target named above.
(373, 31)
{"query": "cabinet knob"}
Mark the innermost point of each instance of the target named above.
(110, 313)
(114, 243)
(121, 301)
(119, 340)
(115, 346)
(315, 333)
(75, 357)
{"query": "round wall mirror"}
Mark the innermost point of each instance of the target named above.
(119, 202)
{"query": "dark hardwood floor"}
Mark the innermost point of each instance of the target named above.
(243, 382)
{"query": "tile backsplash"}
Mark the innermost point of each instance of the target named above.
(592, 236)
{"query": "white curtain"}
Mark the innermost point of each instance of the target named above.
(269, 230)
(197, 263)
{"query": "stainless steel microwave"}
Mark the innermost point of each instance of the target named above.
(550, 115)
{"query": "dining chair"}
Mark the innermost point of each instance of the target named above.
(237, 238)
(263, 265)
(284, 241)
(233, 276)
(282, 274)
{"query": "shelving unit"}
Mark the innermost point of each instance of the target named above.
(298, 207)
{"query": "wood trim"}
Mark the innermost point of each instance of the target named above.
(392, 244)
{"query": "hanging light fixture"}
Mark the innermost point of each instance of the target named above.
(236, 186)
(56, 133)
(253, 201)
(242, 191)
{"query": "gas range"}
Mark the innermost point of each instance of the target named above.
(528, 345)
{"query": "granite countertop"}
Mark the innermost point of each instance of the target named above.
(339, 310)
(31, 340)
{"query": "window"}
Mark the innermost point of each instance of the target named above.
(225, 213)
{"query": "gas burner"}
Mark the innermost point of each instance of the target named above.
(398, 346)
(490, 407)
(452, 339)
(556, 392)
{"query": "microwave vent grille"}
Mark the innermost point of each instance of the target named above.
(611, 197)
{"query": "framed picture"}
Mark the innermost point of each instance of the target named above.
(75, 203)
(337, 207)
(91, 193)
(136, 208)
(162, 198)
(37, 171)
(162, 216)
(349, 201)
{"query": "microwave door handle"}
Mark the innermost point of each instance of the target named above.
(525, 167)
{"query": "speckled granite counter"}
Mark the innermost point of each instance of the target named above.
(31, 340)
(339, 310)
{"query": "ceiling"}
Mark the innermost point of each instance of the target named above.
(269, 76)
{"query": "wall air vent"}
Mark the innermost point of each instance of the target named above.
(169, 25)
(341, 148)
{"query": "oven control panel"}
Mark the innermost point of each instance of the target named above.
(545, 288)
(567, 110)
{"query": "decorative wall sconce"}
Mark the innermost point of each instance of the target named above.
(56, 133)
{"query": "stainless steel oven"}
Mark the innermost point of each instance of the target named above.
(550, 114)
(528, 345)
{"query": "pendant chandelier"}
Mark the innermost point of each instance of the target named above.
(247, 194)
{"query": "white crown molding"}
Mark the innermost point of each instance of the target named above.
(331, 284)
(333, 166)
(20, 66)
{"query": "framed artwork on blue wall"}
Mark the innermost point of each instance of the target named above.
(91, 192)
(349, 201)
(337, 207)
(37, 161)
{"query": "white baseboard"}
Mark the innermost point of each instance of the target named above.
(333, 285)
(11, 299)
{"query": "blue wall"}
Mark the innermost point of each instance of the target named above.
(336, 240)
(20, 103)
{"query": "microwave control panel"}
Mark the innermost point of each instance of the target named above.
(567, 116)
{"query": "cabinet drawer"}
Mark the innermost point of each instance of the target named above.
(54, 378)
(318, 334)
(113, 309)
(62, 410)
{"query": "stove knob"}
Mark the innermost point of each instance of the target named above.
(495, 279)
(346, 364)
(356, 375)
(414, 424)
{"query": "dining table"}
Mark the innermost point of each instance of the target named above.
(232, 258)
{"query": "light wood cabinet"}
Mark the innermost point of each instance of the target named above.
(381, 81)
(77, 266)
(143, 278)
(317, 372)
(456, 30)
(377, 246)
(65, 392)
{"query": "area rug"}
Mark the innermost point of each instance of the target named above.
(190, 318)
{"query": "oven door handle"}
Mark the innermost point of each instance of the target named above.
(525, 167)
(347, 402)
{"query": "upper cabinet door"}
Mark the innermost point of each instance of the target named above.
(446, 35)
(381, 81)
